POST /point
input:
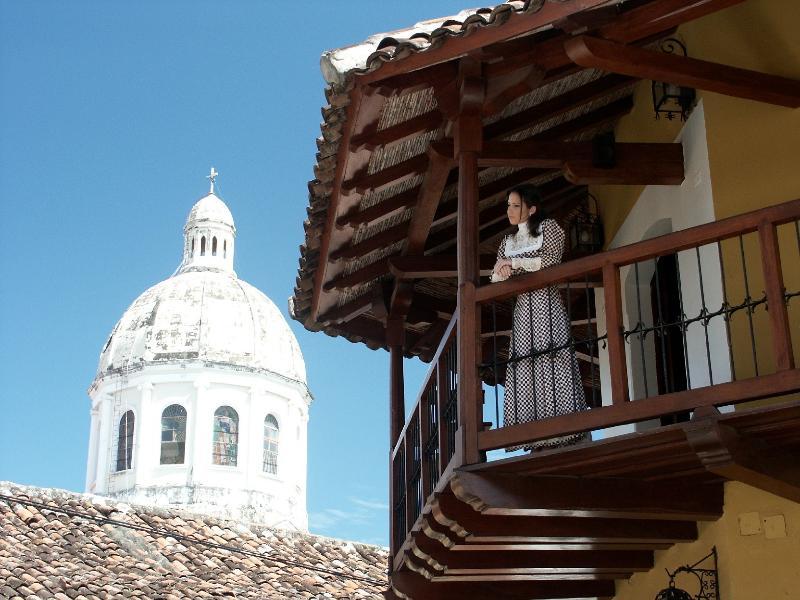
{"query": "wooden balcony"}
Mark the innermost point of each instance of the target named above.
(569, 522)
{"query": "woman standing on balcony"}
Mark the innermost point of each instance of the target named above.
(542, 376)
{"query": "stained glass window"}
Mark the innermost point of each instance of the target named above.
(173, 435)
(125, 442)
(226, 436)
(271, 445)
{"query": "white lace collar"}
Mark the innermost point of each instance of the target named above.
(522, 241)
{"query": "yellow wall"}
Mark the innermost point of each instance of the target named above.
(753, 148)
(751, 567)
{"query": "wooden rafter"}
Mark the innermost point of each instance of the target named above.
(396, 133)
(359, 277)
(414, 585)
(364, 182)
(430, 267)
(656, 17)
(385, 238)
(549, 109)
(610, 56)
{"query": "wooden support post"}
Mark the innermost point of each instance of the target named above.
(395, 337)
(468, 139)
(773, 282)
(614, 327)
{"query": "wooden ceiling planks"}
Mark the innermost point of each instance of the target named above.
(515, 61)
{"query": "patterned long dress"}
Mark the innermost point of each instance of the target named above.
(542, 377)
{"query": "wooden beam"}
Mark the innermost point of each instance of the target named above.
(636, 164)
(655, 17)
(431, 338)
(383, 210)
(504, 89)
(516, 24)
(726, 453)
(348, 311)
(484, 527)
(562, 104)
(364, 182)
(610, 56)
(427, 267)
(397, 133)
(414, 585)
(360, 276)
(503, 494)
(387, 237)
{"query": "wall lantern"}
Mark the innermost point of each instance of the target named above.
(669, 99)
(586, 229)
(706, 578)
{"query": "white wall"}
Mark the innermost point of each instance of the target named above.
(660, 210)
(243, 492)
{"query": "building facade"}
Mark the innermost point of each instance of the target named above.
(200, 399)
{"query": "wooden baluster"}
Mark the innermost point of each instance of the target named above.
(423, 414)
(614, 327)
(441, 405)
(411, 491)
(773, 282)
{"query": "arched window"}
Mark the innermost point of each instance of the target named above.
(173, 435)
(125, 442)
(191, 252)
(224, 248)
(271, 445)
(203, 246)
(226, 437)
(214, 246)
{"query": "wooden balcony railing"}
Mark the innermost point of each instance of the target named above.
(696, 249)
(426, 445)
(724, 342)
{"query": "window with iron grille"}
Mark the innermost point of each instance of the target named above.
(226, 437)
(173, 435)
(271, 445)
(125, 442)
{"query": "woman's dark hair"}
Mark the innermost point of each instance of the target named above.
(530, 195)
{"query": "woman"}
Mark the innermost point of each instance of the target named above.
(542, 377)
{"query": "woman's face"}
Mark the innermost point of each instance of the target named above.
(518, 212)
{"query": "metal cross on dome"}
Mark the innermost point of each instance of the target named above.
(212, 178)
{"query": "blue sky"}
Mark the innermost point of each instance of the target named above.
(111, 114)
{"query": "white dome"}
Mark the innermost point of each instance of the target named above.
(210, 208)
(207, 316)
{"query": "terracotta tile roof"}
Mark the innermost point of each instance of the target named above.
(339, 65)
(86, 547)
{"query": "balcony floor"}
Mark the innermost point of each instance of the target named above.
(568, 523)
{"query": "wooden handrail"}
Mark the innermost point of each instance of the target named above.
(625, 255)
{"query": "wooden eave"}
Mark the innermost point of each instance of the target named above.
(385, 185)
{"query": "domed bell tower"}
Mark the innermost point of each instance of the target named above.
(200, 399)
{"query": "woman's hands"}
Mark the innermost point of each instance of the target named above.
(502, 269)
